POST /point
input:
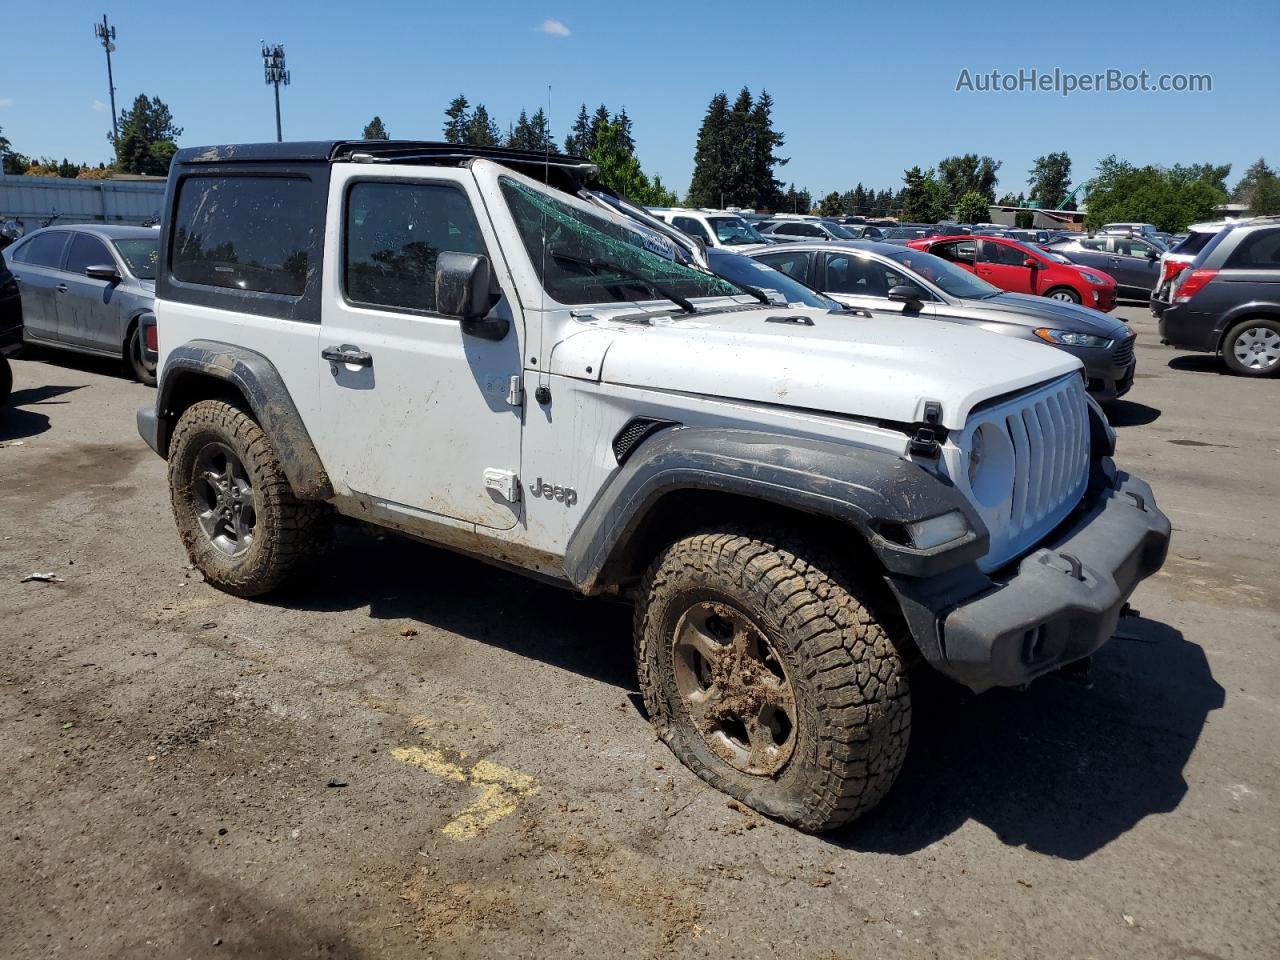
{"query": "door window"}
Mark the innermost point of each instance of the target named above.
(862, 276)
(795, 265)
(1259, 250)
(44, 250)
(395, 233)
(1132, 248)
(1093, 243)
(692, 227)
(87, 251)
(1002, 254)
(244, 233)
(961, 251)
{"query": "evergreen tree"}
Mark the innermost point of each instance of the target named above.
(147, 137)
(599, 120)
(518, 137)
(540, 138)
(578, 142)
(374, 130)
(481, 130)
(624, 124)
(736, 186)
(830, 205)
(765, 191)
(457, 120)
(705, 189)
(924, 198)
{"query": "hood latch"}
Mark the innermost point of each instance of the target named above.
(927, 438)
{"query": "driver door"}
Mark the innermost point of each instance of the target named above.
(425, 419)
(1002, 265)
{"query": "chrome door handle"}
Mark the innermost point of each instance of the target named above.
(61, 288)
(347, 354)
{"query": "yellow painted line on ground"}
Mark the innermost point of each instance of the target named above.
(501, 789)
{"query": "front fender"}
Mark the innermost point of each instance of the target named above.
(256, 379)
(872, 491)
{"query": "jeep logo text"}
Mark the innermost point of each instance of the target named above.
(566, 495)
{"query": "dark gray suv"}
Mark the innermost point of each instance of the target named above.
(1228, 301)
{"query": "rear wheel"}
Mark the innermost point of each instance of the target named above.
(1252, 348)
(1065, 294)
(142, 371)
(236, 513)
(766, 674)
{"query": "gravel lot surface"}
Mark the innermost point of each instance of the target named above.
(170, 753)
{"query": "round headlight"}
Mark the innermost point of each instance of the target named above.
(990, 464)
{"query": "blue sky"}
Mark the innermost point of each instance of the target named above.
(862, 90)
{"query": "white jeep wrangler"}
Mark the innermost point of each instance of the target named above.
(481, 349)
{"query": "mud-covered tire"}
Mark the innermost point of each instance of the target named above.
(287, 532)
(850, 691)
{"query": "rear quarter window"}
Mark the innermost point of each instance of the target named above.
(1259, 250)
(253, 234)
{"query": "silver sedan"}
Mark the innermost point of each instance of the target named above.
(83, 288)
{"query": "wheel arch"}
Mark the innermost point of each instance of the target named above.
(206, 370)
(1242, 314)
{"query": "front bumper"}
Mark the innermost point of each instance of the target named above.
(1060, 604)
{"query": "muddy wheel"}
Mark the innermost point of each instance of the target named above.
(236, 513)
(768, 676)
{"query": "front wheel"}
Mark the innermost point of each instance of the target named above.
(1252, 348)
(766, 673)
(1065, 294)
(236, 513)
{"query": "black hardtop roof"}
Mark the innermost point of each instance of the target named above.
(387, 151)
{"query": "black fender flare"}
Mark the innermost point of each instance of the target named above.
(256, 379)
(875, 492)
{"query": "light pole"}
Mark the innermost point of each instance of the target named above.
(275, 74)
(106, 34)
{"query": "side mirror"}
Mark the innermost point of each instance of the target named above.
(464, 290)
(1031, 262)
(907, 293)
(1152, 255)
(103, 271)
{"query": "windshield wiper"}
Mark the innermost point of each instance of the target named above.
(596, 263)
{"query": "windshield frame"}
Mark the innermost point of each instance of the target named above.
(636, 257)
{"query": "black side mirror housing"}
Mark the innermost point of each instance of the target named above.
(465, 290)
(103, 271)
(907, 293)
(1152, 255)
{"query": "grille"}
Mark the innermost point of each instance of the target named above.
(1048, 434)
(1123, 355)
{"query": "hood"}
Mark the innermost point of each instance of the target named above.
(882, 368)
(1034, 311)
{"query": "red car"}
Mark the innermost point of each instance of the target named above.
(1018, 268)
